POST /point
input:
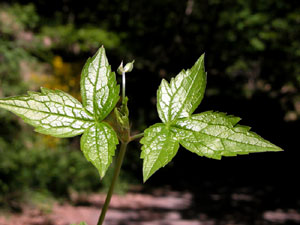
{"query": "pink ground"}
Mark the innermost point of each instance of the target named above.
(159, 208)
(131, 208)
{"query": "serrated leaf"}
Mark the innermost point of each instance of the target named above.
(215, 135)
(99, 89)
(182, 96)
(98, 144)
(159, 148)
(209, 134)
(51, 112)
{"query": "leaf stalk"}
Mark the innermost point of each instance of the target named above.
(123, 88)
(137, 136)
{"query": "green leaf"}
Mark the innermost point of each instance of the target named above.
(99, 89)
(182, 96)
(159, 147)
(98, 144)
(81, 223)
(210, 134)
(51, 112)
(214, 135)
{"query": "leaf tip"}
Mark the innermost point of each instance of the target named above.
(44, 90)
(147, 173)
(146, 177)
(101, 174)
(201, 59)
(273, 147)
(101, 50)
(278, 149)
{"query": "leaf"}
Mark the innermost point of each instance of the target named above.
(51, 112)
(210, 134)
(99, 89)
(215, 135)
(81, 223)
(98, 144)
(159, 148)
(182, 96)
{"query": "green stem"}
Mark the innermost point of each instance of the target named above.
(123, 87)
(136, 136)
(113, 182)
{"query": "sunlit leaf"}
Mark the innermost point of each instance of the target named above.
(210, 134)
(58, 114)
(99, 89)
(51, 112)
(159, 148)
(98, 144)
(182, 96)
(215, 135)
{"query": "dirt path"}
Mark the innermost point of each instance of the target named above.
(130, 209)
(157, 208)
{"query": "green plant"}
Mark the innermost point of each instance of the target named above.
(42, 172)
(104, 121)
(81, 223)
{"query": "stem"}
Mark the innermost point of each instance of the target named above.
(136, 136)
(113, 182)
(123, 88)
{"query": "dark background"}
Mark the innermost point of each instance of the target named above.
(252, 54)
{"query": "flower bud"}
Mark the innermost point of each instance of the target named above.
(129, 66)
(120, 69)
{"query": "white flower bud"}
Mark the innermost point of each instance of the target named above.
(129, 66)
(120, 69)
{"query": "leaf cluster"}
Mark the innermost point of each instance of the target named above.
(210, 134)
(103, 122)
(56, 113)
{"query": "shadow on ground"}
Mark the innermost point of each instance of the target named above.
(207, 206)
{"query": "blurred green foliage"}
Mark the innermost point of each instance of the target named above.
(79, 40)
(57, 171)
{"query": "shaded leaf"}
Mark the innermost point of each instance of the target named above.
(99, 89)
(51, 112)
(159, 148)
(98, 144)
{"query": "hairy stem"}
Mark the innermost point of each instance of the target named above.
(113, 182)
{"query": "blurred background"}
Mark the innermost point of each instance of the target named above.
(252, 55)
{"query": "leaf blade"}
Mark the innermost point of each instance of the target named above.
(51, 112)
(98, 144)
(182, 96)
(159, 148)
(98, 86)
(215, 135)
